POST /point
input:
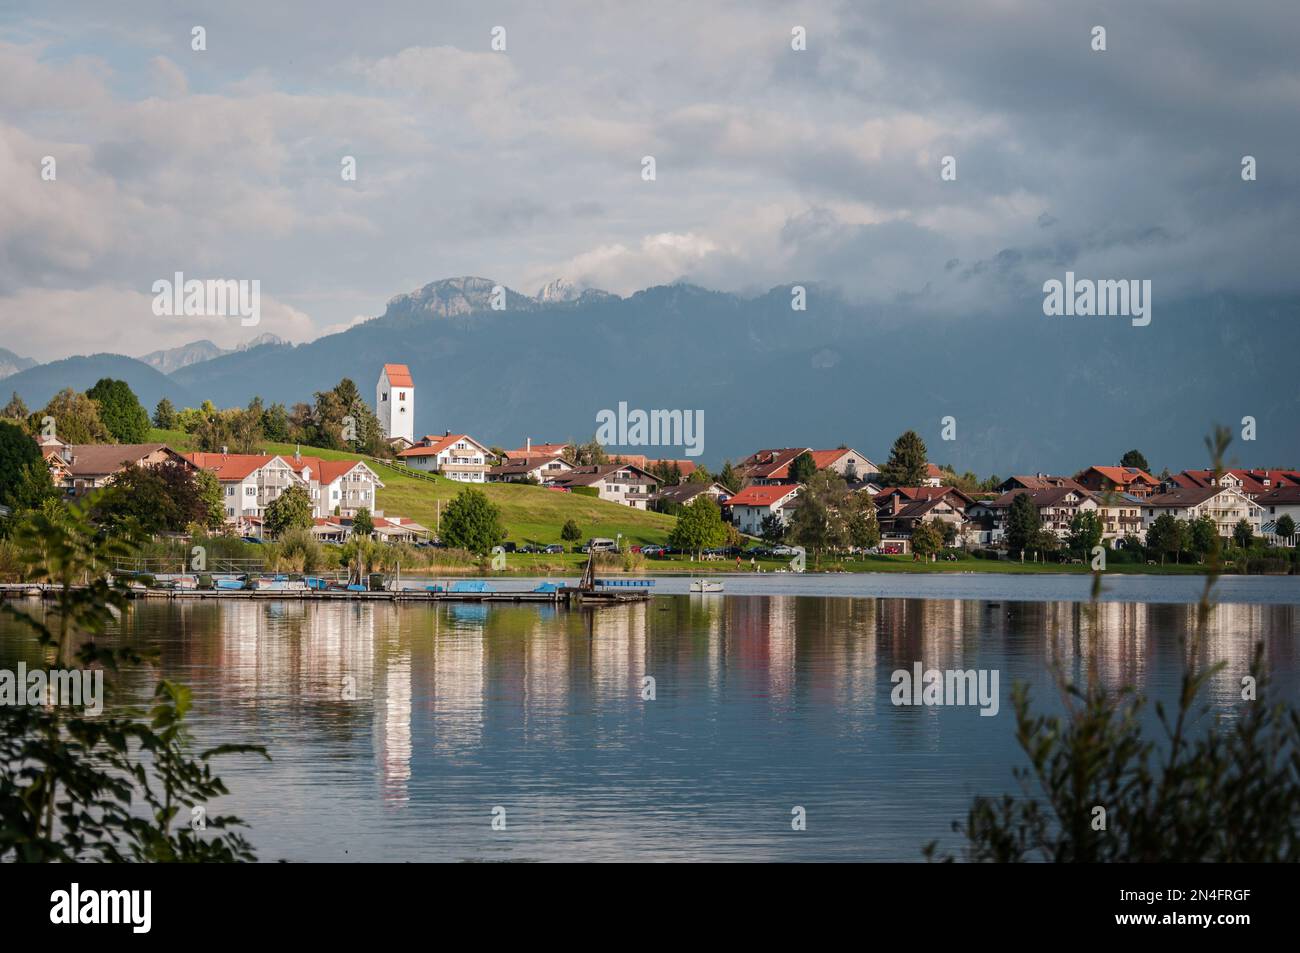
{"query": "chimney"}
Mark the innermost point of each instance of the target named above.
(528, 450)
(224, 450)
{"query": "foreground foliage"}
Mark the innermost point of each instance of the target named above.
(82, 787)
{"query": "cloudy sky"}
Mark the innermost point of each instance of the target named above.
(773, 165)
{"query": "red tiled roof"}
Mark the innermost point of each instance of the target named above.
(761, 495)
(548, 449)
(229, 466)
(399, 375)
(440, 444)
(1123, 476)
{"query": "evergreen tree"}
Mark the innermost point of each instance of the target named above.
(164, 415)
(15, 409)
(803, 468)
(1022, 523)
(1134, 458)
(907, 461)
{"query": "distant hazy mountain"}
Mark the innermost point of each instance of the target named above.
(38, 384)
(1027, 392)
(11, 363)
(197, 351)
(562, 291)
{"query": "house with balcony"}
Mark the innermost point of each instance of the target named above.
(1057, 507)
(535, 469)
(753, 504)
(1226, 505)
(619, 483)
(76, 469)
(456, 456)
(1132, 480)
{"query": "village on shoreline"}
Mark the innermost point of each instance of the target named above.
(364, 477)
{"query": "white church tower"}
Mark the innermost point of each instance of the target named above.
(395, 402)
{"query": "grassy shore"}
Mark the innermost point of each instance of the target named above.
(531, 514)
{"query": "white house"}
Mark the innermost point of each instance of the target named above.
(1227, 506)
(755, 503)
(537, 469)
(456, 456)
(1282, 501)
(395, 402)
(251, 481)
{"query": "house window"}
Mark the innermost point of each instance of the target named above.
(401, 395)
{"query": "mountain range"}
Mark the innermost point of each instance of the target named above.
(1026, 392)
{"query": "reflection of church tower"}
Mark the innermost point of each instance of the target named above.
(395, 402)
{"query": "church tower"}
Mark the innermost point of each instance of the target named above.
(395, 402)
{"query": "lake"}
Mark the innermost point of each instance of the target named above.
(398, 730)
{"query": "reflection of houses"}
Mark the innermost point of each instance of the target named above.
(79, 468)
(1225, 505)
(456, 456)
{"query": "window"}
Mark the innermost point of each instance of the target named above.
(250, 491)
(383, 397)
(230, 491)
(401, 395)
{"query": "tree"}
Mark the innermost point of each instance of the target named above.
(729, 478)
(15, 409)
(699, 526)
(861, 523)
(85, 787)
(18, 451)
(362, 524)
(1164, 535)
(212, 506)
(1204, 535)
(76, 418)
(292, 509)
(164, 415)
(1243, 534)
(1022, 523)
(1085, 532)
(927, 538)
(907, 461)
(120, 410)
(157, 499)
(772, 529)
(1285, 528)
(1134, 458)
(819, 523)
(472, 522)
(570, 532)
(803, 468)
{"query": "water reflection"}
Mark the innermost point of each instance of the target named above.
(395, 730)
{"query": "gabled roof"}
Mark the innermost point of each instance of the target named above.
(552, 449)
(1188, 496)
(1049, 496)
(585, 476)
(685, 492)
(94, 459)
(399, 375)
(440, 444)
(921, 493)
(770, 464)
(231, 466)
(529, 464)
(1123, 476)
(763, 495)
(1282, 494)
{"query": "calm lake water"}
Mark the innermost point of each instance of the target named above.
(763, 702)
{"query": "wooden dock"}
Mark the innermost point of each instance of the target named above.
(564, 595)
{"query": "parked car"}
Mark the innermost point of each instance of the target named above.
(600, 544)
(554, 548)
(783, 550)
(652, 551)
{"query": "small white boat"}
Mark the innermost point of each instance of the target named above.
(705, 585)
